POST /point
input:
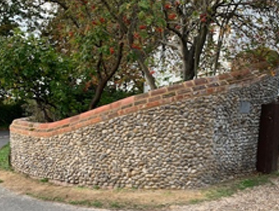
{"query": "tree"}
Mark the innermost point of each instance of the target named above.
(31, 69)
(198, 31)
(104, 37)
(199, 28)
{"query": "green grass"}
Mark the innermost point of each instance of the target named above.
(220, 192)
(96, 187)
(252, 182)
(87, 203)
(44, 180)
(116, 205)
(4, 158)
(233, 187)
(81, 187)
(97, 204)
(44, 198)
(196, 201)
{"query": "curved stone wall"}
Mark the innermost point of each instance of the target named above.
(184, 136)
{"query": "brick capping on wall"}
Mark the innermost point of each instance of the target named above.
(161, 96)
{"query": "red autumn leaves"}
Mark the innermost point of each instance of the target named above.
(203, 17)
(101, 21)
(136, 46)
(84, 1)
(171, 16)
(137, 37)
(142, 27)
(111, 50)
(169, 6)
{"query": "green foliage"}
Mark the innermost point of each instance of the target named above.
(265, 54)
(4, 158)
(260, 58)
(104, 39)
(32, 70)
(49, 83)
(199, 33)
(111, 95)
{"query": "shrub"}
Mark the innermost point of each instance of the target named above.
(260, 58)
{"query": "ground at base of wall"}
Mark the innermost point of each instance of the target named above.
(124, 198)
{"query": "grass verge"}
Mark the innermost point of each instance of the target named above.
(87, 203)
(4, 158)
(227, 189)
(128, 198)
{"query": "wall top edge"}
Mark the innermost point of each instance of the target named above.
(193, 88)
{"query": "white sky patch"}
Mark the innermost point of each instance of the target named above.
(36, 22)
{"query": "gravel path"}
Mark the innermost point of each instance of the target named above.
(261, 198)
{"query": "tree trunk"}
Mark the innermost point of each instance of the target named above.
(103, 81)
(191, 57)
(187, 62)
(198, 45)
(97, 97)
(149, 78)
(189, 71)
(42, 108)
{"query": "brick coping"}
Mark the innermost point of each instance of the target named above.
(165, 95)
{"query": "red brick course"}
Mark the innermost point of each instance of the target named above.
(158, 97)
